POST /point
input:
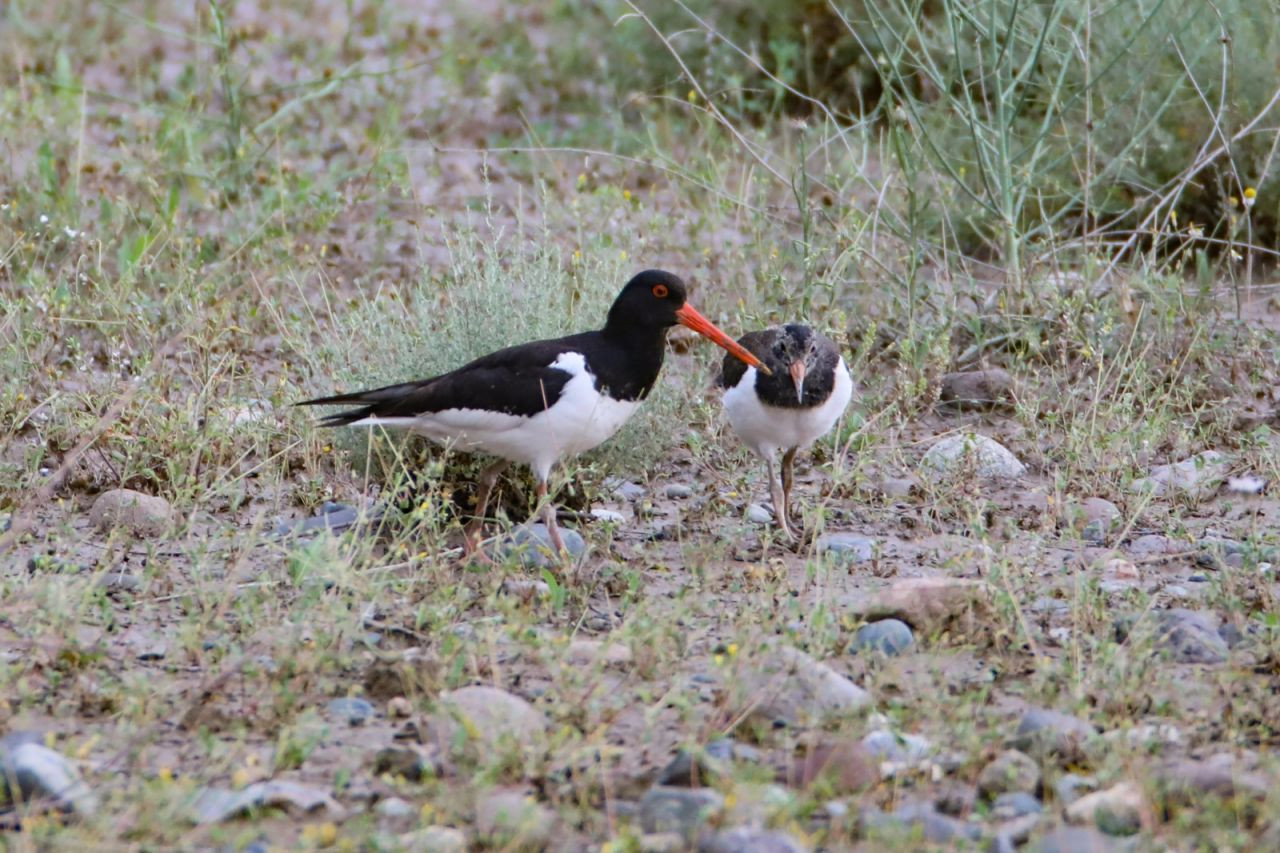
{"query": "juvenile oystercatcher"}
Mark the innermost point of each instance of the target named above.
(789, 407)
(539, 402)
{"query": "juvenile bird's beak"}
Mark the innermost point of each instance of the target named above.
(691, 319)
(797, 371)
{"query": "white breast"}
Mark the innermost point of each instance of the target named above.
(767, 429)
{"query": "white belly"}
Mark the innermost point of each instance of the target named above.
(580, 419)
(767, 429)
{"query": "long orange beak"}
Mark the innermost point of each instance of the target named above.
(691, 319)
(798, 371)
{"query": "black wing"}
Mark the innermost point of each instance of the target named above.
(518, 380)
(759, 344)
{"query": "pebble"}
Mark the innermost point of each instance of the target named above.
(352, 709)
(955, 799)
(679, 491)
(394, 807)
(491, 715)
(1215, 554)
(745, 839)
(532, 545)
(682, 811)
(589, 652)
(920, 816)
(512, 818)
(1095, 515)
(1186, 782)
(434, 839)
(1015, 804)
(929, 605)
(847, 548)
(843, 766)
(1191, 636)
(406, 761)
(886, 636)
(1153, 545)
(989, 459)
(757, 514)
(1198, 476)
(1043, 731)
(608, 516)
(1073, 839)
(214, 805)
(786, 686)
(1069, 787)
(1008, 772)
(976, 389)
(898, 488)
(139, 514)
(1116, 811)
(890, 746)
(626, 489)
(153, 650)
(696, 768)
(42, 773)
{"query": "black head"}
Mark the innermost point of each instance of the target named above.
(799, 349)
(655, 300)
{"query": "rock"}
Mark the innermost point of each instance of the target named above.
(353, 710)
(662, 842)
(1043, 732)
(119, 581)
(976, 389)
(898, 488)
(214, 805)
(846, 548)
(955, 799)
(1185, 782)
(608, 516)
(1073, 839)
(1216, 554)
(845, 766)
(589, 652)
(1071, 787)
(1118, 810)
(683, 811)
(886, 636)
(334, 517)
(890, 746)
(679, 491)
(697, 768)
(1093, 518)
(1015, 804)
(1009, 771)
(1153, 545)
(394, 807)
(532, 545)
(513, 819)
(139, 514)
(1190, 636)
(1247, 485)
(41, 775)
(488, 715)
(785, 685)
(918, 816)
(435, 839)
(930, 605)
(757, 514)
(624, 489)
(986, 457)
(745, 839)
(1197, 477)
(407, 761)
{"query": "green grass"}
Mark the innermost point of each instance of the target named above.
(209, 214)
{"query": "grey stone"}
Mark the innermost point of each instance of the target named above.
(626, 489)
(214, 805)
(1074, 839)
(1009, 771)
(1069, 787)
(139, 514)
(1197, 477)
(846, 548)
(1116, 810)
(917, 816)
(532, 545)
(887, 636)
(353, 710)
(1152, 545)
(511, 817)
(435, 839)
(684, 811)
(489, 715)
(785, 685)
(394, 807)
(1042, 731)
(41, 773)
(757, 514)
(698, 767)
(1190, 636)
(608, 516)
(1015, 804)
(745, 839)
(976, 389)
(890, 746)
(989, 459)
(679, 491)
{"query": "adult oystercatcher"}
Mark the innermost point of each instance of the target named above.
(539, 402)
(791, 406)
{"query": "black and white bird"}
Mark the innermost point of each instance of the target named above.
(790, 406)
(539, 402)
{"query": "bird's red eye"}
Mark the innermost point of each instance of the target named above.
(660, 291)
